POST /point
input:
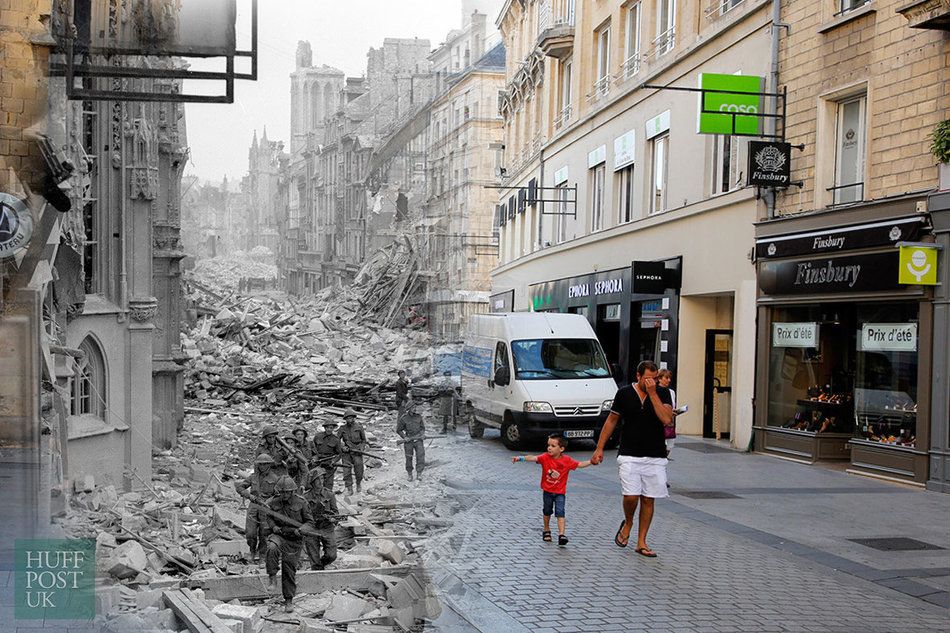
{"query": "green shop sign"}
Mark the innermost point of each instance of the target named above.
(734, 108)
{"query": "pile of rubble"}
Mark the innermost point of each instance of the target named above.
(172, 555)
(227, 272)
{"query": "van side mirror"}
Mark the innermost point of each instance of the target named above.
(502, 376)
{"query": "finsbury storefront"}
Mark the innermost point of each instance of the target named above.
(844, 341)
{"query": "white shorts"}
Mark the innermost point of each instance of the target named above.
(643, 476)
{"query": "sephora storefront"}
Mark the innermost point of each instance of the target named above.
(844, 343)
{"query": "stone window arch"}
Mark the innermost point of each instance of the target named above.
(89, 381)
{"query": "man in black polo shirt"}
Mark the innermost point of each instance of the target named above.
(643, 408)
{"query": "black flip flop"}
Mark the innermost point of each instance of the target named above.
(645, 551)
(546, 536)
(617, 537)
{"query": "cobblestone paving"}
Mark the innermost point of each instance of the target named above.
(705, 579)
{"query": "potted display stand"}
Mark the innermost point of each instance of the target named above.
(940, 148)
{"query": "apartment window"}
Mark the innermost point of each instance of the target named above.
(602, 57)
(725, 162)
(597, 176)
(90, 253)
(849, 5)
(660, 169)
(849, 150)
(89, 382)
(665, 26)
(627, 203)
(631, 64)
(564, 93)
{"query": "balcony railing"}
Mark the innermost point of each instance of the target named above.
(555, 13)
(664, 42)
(563, 117)
(600, 89)
(556, 27)
(630, 67)
(719, 8)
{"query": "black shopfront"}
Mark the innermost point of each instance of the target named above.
(844, 349)
(633, 310)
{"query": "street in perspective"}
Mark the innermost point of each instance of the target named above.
(474, 316)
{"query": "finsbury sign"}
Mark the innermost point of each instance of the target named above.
(808, 274)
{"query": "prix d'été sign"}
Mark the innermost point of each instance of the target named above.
(719, 110)
(795, 334)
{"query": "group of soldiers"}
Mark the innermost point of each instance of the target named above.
(292, 504)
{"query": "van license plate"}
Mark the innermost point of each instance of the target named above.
(587, 433)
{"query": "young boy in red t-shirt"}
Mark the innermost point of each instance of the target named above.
(556, 467)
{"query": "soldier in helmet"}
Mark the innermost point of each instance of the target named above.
(327, 451)
(297, 464)
(303, 445)
(259, 485)
(270, 446)
(411, 428)
(354, 439)
(323, 508)
(289, 513)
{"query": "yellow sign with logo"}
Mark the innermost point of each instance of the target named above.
(918, 266)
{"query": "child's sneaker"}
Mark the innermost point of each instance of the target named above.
(562, 540)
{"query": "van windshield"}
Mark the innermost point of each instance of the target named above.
(559, 359)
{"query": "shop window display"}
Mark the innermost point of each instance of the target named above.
(813, 369)
(886, 382)
(846, 369)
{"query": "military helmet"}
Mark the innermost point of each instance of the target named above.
(269, 429)
(286, 484)
(291, 438)
(264, 458)
(300, 429)
(330, 422)
(349, 413)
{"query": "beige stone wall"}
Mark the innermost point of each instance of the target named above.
(905, 73)
(24, 64)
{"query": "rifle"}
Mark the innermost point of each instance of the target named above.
(413, 439)
(335, 465)
(305, 529)
(353, 450)
(293, 451)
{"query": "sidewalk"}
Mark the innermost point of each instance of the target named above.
(771, 553)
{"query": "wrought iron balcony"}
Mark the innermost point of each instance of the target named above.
(563, 117)
(600, 89)
(556, 28)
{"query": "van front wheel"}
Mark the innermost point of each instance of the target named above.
(511, 435)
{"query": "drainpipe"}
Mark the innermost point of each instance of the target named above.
(770, 194)
(123, 217)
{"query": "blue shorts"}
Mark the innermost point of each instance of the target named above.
(553, 502)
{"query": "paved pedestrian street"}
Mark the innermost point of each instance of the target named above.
(773, 555)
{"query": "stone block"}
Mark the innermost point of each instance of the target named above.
(390, 551)
(249, 617)
(229, 548)
(161, 619)
(351, 561)
(345, 607)
(235, 626)
(127, 560)
(149, 598)
(107, 598)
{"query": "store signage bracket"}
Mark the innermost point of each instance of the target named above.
(781, 99)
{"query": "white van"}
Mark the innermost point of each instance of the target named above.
(531, 374)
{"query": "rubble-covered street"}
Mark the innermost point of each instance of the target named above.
(174, 554)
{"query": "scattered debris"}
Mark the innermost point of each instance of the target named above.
(172, 553)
